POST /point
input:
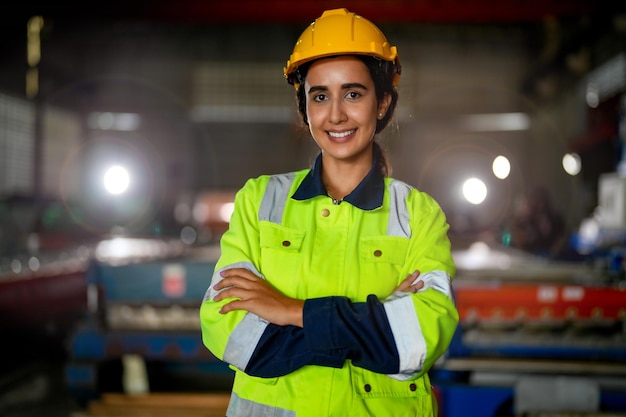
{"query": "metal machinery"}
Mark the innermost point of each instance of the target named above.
(143, 317)
(536, 338)
(539, 338)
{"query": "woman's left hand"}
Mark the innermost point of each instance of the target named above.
(410, 283)
(256, 295)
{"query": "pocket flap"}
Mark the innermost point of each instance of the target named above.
(276, 236)
(385, 249)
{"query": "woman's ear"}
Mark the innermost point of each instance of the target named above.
(384, 103)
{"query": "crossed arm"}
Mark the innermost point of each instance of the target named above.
(255, 295)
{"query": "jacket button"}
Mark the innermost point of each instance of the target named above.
(286, 243)
(378, 253)
(412, 387)
(325, 212)
(367, 388)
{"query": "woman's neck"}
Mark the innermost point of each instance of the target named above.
(342, 177)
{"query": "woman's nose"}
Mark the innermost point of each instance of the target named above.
(337, 112)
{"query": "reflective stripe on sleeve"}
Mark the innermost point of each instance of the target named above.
(410, 344)
(211, 293)
(275, 197)
(243, 340)
(439, 281)
(240, 407)
(401, 314)
(245, 337)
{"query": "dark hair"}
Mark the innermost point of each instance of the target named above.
(382, 73)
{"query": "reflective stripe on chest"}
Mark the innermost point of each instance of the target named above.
(277, 194)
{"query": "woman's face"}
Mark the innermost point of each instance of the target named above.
(341, 107)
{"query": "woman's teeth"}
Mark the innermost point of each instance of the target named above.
(341, 134)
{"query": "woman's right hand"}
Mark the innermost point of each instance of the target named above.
(254, 294)
(410, 283)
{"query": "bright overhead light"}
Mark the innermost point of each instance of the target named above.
(474, 190)
(116, 180)
(501, 167)
(226, 211)
(571, 163)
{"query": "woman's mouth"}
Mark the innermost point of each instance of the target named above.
(341, 135)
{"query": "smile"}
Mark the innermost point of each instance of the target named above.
(341, 134)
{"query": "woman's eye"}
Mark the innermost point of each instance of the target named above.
(354, 95)
(320, 97)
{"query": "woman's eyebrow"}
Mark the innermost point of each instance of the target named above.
(315, 88)
(346, 86)
(353, 85)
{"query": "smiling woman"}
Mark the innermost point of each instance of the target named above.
(334, 282)
(342, 112)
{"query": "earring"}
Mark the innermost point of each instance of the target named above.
(380, 115)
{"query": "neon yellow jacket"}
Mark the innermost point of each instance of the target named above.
(362, 351)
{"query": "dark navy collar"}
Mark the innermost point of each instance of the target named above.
(368, 195)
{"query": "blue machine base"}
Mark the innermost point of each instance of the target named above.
(462, 400)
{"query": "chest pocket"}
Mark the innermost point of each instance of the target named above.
(280, 255)
(384, 249)
(382, 256)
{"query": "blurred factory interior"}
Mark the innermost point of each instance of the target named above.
(127, 126)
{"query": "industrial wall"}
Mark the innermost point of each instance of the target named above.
(212, 110)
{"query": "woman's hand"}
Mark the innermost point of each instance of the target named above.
(410, 283)
(256, 295)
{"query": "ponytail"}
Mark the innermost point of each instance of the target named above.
(383, 161)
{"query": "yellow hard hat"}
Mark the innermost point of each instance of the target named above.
(340, 32)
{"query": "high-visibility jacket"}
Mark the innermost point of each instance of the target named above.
(362, 350)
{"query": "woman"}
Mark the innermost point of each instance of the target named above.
(332, 295)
